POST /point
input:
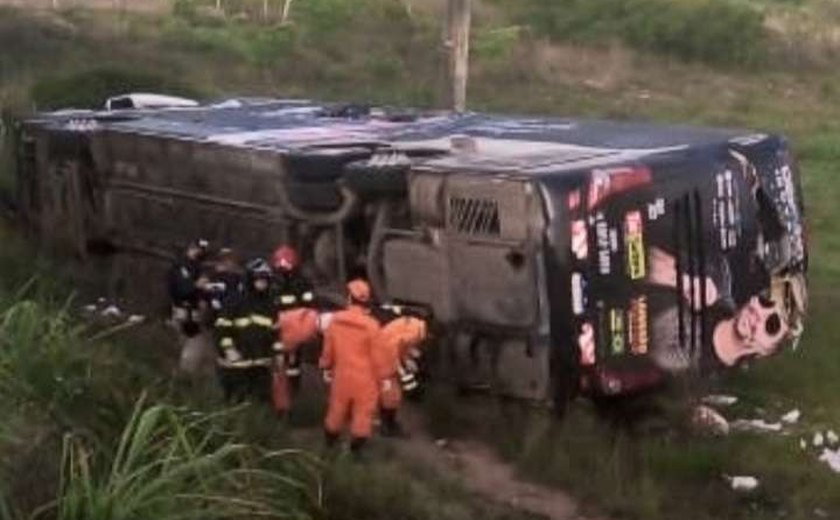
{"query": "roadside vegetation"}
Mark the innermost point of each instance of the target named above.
(765, 64)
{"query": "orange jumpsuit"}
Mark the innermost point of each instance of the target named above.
(348, 352)
(296, 327)
(393, 346)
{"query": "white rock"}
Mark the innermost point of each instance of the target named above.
(743, 483)
(756, 425)
(832, 458)
(792, 417)
(707, 419)
(819, 440)
(111, 310)
(831, 437)
(719, 400)
(136, 318)
(90, 308)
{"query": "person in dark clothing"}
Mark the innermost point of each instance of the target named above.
(292, 291)
(246, 338)
(183, 284)
(226, 283)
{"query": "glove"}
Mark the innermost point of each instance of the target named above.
(232, 355)
(326, 375)
(387, 385)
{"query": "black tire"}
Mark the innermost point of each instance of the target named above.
(372, 182)
(314, 196)
(322, 165)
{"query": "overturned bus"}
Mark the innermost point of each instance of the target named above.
(556, 255)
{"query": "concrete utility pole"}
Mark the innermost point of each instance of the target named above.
(458, 20)
(287, 10)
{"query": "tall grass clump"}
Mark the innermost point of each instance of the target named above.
(711, 31)
(170, 464)
(77, 443)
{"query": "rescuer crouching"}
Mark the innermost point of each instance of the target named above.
(246, 338)
(396, 352)
(348, 367)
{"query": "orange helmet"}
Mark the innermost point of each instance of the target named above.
(285, 258)
(359, 291)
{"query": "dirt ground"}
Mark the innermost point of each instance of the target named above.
(482, 472)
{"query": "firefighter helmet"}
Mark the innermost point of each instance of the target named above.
(258, 269)
(285, 258)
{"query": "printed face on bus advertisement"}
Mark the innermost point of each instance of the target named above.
(677, 266)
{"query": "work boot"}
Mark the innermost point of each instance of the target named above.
(390, 426)
(330, 439)
(357, 445)
(330, 451)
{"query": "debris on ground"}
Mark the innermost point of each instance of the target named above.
(792, 417)
(136, 319)
(707, 419)
(719, 400)
(111, 311)
(818, 440)
(803, 444)
(832, 458)
(442, 443)
(832, 437)
(742, 483)
(756, 426)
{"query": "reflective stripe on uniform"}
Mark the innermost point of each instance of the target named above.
(307, 296)
(223, 322)
(226, 342)
(244, 363)
(262, 321)
(242, 322)
(405, 375)
(287, 299)
(278, 347)
(293, 371)
(410, 386)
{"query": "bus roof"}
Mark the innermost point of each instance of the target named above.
(522, 144)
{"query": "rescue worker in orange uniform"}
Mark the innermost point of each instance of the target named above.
(292, 291)
(348, 365)
(395, 351)
(296, 327)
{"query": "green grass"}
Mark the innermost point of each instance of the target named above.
(730, 32)
(650, 469)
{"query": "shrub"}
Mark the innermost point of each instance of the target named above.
(712, 31)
